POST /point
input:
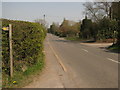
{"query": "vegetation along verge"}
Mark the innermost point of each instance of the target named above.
(28, 58)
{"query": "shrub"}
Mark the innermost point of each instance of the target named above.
(27, 39)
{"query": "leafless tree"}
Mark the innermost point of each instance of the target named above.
(97, 10)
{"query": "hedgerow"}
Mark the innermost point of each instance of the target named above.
(27, 40)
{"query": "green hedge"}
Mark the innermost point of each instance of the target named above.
(27, 44)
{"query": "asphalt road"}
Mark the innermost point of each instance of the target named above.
(85, 66)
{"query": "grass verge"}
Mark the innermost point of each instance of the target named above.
(21, 79)
(72, 38)
(114, 48)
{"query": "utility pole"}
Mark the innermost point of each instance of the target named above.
(10, 46)
(44, 17)
(44, 22)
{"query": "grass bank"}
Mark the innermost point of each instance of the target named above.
(73, 38)
(21, 79)
(114, 48)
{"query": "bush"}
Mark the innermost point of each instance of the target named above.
(27, 39)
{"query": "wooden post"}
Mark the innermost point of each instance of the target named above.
(10, 45)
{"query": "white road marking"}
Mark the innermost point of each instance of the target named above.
(59, 60)
(113, 60)
(85, 50)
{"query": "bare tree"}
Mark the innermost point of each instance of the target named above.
(105, 7)
(97, 10)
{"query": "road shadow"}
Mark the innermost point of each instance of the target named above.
(106, 49)
(88, 41)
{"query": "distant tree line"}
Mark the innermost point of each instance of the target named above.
(101, 23)
(66, 29)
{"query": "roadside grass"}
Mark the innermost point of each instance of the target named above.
(21, 79)
(114, 48)
(73, 38)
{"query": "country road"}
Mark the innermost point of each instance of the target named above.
(75, 65)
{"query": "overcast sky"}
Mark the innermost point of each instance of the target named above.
(54, 11)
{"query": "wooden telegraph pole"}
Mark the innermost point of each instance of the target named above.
(44, 20)
(10, 46)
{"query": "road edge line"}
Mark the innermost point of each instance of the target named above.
(59, 60)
